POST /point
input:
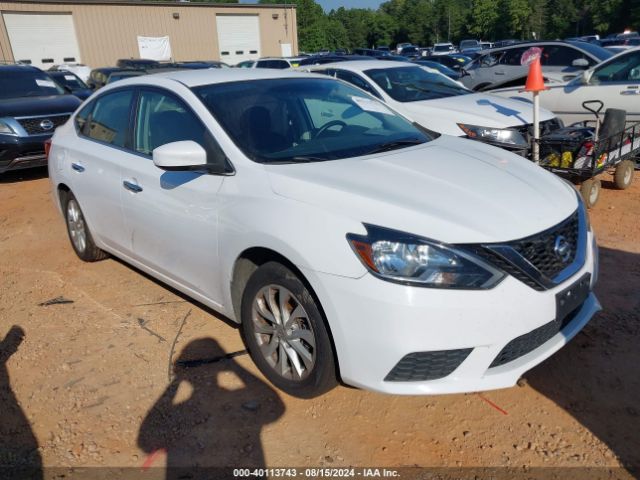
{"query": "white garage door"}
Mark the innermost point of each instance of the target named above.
(42, 39)
(238, 37)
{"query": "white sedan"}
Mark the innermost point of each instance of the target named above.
(615, 82)
(442, 105)
(346, 242)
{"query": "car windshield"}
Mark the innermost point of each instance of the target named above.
(70, 80)
(595, 50)
(291, 120)
(441, 48)
(27, 83)
(413, 84)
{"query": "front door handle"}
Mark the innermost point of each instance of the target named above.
(132, 187)
(631, 91)
(499, 72)
(77, 167)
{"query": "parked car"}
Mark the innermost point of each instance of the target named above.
(401, 45)
(124, 74)
(32, 106)
(383, 48)
(72, 84)
(469, 46)
(442, 105)
(410, 52)
(79, 69)
(322, 59)
(99, 76)
(452, 74)
(502, 64)
(486, 45)
(140, 63)
(279, 63)
(246, 64)
(200, 64)
(443, 49)
(318, 219)
(455, 61)
(615, 82)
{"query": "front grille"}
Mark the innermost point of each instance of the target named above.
(539, 249)
(508, 268)
(420, 366)
(33, 125)
(528, 342)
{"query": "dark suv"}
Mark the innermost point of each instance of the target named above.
(32, 105)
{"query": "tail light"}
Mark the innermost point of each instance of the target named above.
(47, 148)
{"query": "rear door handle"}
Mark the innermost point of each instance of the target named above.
(631, 91)
(77, 167)
(132, 187)
(499, 72)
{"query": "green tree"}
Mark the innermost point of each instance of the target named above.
(484, 18)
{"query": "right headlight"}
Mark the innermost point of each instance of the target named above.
(502, 136)
(6, 129)
(408, 259)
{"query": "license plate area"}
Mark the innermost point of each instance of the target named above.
(572, 297)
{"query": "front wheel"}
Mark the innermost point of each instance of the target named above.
(78, 230)
(285, 332)
(590, 191)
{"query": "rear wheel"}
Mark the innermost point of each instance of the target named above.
(285, 332)
(78, 230)
(590, 191)
(624, 174)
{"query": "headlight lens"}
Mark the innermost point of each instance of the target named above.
(504, 136)
(404, 258)
(5, 128)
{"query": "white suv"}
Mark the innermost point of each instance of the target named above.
(347, 242)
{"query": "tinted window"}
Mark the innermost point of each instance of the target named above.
(305, 119)
(280, 64)
(411, 84)
(26, 82)
(81, 117)
(356, 80)
(513, 56)
(559, 56)
(109, 120)
(70, 80)
(625, 68)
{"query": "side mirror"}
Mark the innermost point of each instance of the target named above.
(183, 155)
(580, 63)
(585, 78)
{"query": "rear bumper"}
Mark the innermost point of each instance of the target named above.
(22, 152)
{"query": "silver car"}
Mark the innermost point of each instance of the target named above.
(502, 64)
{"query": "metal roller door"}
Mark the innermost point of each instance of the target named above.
(238, 37)
(42, 39)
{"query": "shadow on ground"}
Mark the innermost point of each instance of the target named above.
(19, 455)
(16, 176)
(596, 378)
(211, 414)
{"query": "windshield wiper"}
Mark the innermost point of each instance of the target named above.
(385, 147)
(297, 159)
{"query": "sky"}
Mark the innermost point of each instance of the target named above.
(328, 5)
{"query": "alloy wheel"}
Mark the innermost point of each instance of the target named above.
(75, 223)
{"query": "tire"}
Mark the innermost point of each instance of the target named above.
(78, 230)
(623, 176)
(590, 191)
(301, 365)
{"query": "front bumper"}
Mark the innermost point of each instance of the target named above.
(375, 324)
(22, 152)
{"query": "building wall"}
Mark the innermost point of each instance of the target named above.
(108, 31)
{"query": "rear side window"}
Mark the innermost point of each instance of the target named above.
(109, 119)
(513, 56)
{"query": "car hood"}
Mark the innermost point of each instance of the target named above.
(443, 115)
(451, 190)
(30, 106)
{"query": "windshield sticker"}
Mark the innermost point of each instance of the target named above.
(45, 83)
(370, 105)
(69, 77)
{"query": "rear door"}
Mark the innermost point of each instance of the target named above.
(96, 159)
(172, 217)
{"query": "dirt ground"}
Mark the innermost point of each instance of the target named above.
(98, 383)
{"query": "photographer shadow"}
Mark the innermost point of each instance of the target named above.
(210, 416)
(19, 455)
(595, 378)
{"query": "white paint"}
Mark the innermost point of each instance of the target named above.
(155, 48)
(238, 38)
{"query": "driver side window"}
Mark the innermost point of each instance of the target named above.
(621, 70)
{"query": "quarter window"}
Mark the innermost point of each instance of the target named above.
(109, 120)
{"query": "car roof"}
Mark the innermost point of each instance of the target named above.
(195, 78)
(362, 65)
(19, 67)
